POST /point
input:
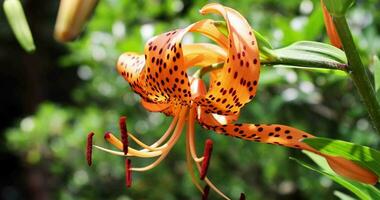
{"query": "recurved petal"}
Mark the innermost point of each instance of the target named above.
(154, 107)
(291, 137)
(203, 54)
(235, 84)
(198, 88)
(131, 67)
(208, 28)
(166, 78)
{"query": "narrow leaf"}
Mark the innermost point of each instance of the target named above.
(363, 191)
(17, 20)
(365, 156)
(376, 66)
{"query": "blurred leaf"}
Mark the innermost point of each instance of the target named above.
(363, 191)
(343, 196)
(338, 7)
(314, 24)
(376, 66)
(17, 20)
(367, 157)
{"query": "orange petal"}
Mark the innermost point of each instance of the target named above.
(330, 28)
(131, 67)
(207, 28)
(167, 109)
(291, 137)
(351, 170)
(166, 78)
(235, 84)
(153, 107)
(203, 54)
(198, 88)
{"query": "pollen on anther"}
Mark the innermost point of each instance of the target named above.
(206, 190)
(89, 148)
(206, 158)
(124, 134)
(128, 175)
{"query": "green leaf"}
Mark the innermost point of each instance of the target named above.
(376, 66)
(17, 20)
(319, 55)
(365, 156)
(338, 7)
(361, 190)
(343, 196)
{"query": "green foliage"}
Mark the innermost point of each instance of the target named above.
(338, 7)
(376, 66)
(365, 156)
(361, 190)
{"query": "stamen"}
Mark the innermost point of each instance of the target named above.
(173, 139)
(191, 135)
(123, 133)
(207, 156)
(113, 140)
(206, 190)
(242, 196)
(128, 175)
(189, 165)
(89, 148)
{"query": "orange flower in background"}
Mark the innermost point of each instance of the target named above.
(330, 28)
(160, 77)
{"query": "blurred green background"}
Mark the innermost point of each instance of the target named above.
(54, 97)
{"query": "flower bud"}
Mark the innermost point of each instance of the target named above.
(72, 15)
(17, 20)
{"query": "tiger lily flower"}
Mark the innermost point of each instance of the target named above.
(161, 79)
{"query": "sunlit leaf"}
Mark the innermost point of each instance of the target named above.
(365, 156)
(363, 191)
(318, 54)
(376, 66)
(343, 196)
(338, 7)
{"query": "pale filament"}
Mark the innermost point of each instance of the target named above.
(173, 139)
(190, 132)
(144, 153)
(191, 150)
(154, 147)
(189, 164)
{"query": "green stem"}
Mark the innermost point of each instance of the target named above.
(358, 72)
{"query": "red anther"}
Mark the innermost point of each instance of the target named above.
(206, 190)
(242, 196)
(89, 148)
(107, 135)
(123, 133)
(206, 158)
(128, 175)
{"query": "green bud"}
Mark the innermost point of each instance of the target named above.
(72, 16)
(338, 7)
(17, 20)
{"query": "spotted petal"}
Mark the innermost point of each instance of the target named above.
(131, 67)
(234, 85)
